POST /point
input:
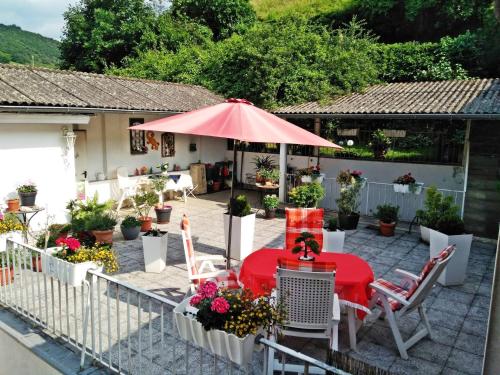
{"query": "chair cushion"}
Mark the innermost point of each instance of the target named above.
(396, 289)
(303, 265)
(445, 253)
(300, 220)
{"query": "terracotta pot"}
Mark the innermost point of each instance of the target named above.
(103, 236)
(6, 275)
(387, 229)
(258, 179)
(270, 213)
(36, 264)
(13, 205)
(146, 222)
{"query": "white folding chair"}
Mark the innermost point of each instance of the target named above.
(398, 300)
(127, 186)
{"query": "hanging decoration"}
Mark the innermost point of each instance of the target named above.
(167, 145)
(137, 138)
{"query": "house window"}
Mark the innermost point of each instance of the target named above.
(167, 145)
(137, 138)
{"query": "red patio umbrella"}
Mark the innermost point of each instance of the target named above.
(240, 120)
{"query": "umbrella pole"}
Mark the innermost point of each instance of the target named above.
(233, 182)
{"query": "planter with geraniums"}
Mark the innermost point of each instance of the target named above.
(311, 174)
(333, 237)
(348, 202)
(226, 322)
(10, 228)
(144, 201)
(243, 227)
(130, 228)
(154, 244)
(27, 194)
(102, 226)
(387, 216)
(271, 203)
(407, 184)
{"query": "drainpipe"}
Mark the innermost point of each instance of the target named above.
(282, 182)
(466, 164)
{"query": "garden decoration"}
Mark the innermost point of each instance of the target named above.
(406, 184)
(154, 244)
(102, 226)
(151, 140)
(27, 194)
(306, 243)
(144, 201)
(13, 205)
(269, 176)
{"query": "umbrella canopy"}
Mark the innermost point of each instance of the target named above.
(236, 119)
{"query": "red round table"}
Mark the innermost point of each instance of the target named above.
(352, 279)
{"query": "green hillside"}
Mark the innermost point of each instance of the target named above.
(20, 46)
(308, 8)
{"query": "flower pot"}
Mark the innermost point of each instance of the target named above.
(13, 205)
(103, 236)
(146, 222)
(455, 271)
(15, 235)
(318, 178)
(387, 229)
(36, 264)
(243, 230)
(333, 241)
(163, 214)
(306, 179)
(155, 252)
(425, 235)
(416, 188)
(6, 275)
(130, 233)
(400, 188)
(361, 181)
(27, 199)
(270, 213)
(348, 222)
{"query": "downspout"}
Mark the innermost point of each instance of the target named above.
(466, 165)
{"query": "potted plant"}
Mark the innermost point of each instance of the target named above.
(243, 227)
(102, 226)
(387, 215)
(144, 201)
(436, 205)
(307, 195)
(27, 194)
(333, 237)
(154, 244)
(130, 227)
(406, 184)
(359, 179)
(11, 228)
(226, 321)
(348, 202)
(70, 261)
(271, 203)
(450, 231)
(6, 268)
(306, 243)
(269, 176)
(262, 163)
(379, 144)
(13, 204)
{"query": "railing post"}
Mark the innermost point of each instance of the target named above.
(85, 326)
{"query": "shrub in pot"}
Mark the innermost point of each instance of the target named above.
(379, 144)
(243, 227)
(27, 194)
(333, 237)
(271, 203)
(130, 227)
(144, 201)
(102, 226)
(307, 195)
(348, 202)
(154, 244)
(387, 215)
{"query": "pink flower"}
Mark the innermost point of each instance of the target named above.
(195, 300)
(220, 305)
(208, 289)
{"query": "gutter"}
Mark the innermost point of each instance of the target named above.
(416, 116)
(82, 110)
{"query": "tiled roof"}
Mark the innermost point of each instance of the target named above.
(26, 86)
(457, 97)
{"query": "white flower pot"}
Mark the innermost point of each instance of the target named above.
(155, 253)
(333, 241)
(72, 274)
(425, 234)
(416, 188)
(317, 178)
(306, 179)
(400, 188)
(242, 235)
(15, 235)
(455, 271)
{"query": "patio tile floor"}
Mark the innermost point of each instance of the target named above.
(458, 314)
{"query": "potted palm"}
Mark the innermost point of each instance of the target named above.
(27, 194)
(348, 202)
(243, 227)
(333, 237)
(387, 215)
(307, 195)
(130, 228)
(102, 226)
(10, 228)
(154, 244)
(144, 201)
(271, 203)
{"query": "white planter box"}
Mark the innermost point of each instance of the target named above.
(362, 181)
(400, 188)
(306, 179)
(72, 274)
(417, 188)
(455, 271)
(15, 235)
(238, 350)
(242, 235)
(333, 241)
(425, 234)
(155, 253)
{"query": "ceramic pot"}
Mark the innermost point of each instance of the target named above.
(387, 229)
(270, 213)
(130, 233)
(27, 199)
(146, 222)
(103, 236)
(13, 205)
(243, 230)
(333, 241)
(348, 222)
(163, 214)
(155, 252)
(306, 179)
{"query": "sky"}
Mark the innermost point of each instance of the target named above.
(40, 16)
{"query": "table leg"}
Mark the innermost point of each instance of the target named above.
(351, 322)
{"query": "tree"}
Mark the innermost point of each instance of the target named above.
(100, 33)
(497, 9)
(223, 17)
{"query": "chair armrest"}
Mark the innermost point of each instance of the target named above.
(388, 293)
(407, 274)
(336, 308)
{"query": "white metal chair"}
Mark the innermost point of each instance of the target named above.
(127, 186)
(311, 306)
(397, 301)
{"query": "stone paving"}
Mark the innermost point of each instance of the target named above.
(458, 314)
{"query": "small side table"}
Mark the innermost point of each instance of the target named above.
(25, 215)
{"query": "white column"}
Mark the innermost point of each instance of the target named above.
(282, 172)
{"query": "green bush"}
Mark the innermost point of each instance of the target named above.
(144, 201)
(387, 213)
(130, 222)
(348, 202)
(239, 206)
(437, 207)
(100, 221)
(307, 195)
(332, 225)
(271, 202)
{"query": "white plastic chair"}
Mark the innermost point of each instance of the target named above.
(312, 309)
(394, 302)
(127, 186)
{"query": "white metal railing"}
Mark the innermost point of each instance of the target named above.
(124, 328)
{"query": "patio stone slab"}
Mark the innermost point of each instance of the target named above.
(415, 366)
(470, 343)
(466, 362)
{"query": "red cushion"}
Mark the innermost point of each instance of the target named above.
(300, 220)
(396, 289)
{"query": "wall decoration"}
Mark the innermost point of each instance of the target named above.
(137, 138)
(152, 141)
(167, 145)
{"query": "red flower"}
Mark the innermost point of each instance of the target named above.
(208, 289)
(220, 305)
(71, 243)
(195, 300)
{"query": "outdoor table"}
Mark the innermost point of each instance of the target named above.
(263, 188)
(25, 215)
(352, 279)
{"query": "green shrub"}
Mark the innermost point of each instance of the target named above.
(387, 213)
(436, 208)
(144, 202)
(272, 175)
(130, 222)
(348, 202)
(332, 225)
(451, 225)
(239, 206)
(307, 195)
(271, 202)
(100, 221)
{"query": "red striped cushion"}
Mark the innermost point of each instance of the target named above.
(303, 265)
(300, 220)
(396, 289)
